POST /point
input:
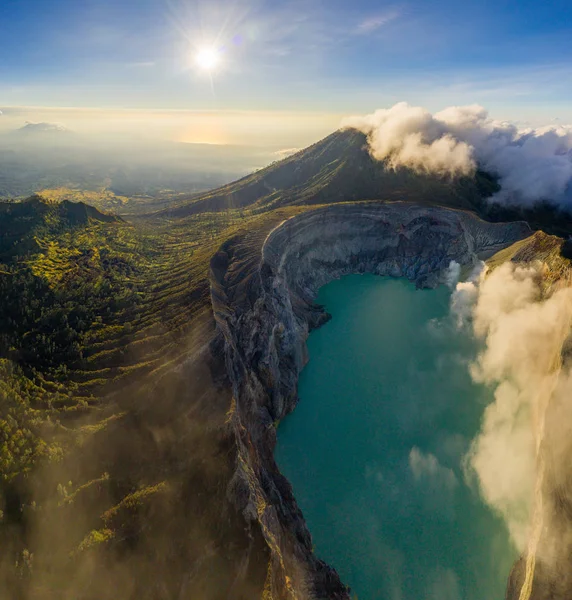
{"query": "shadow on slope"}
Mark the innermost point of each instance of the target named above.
(337, 169)
(21, 221)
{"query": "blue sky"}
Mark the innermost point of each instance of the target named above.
(514, 57)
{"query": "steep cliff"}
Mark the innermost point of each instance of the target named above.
(263, 304)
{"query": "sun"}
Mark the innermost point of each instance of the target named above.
(207, 59)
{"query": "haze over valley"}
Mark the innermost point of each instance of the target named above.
(143, 172)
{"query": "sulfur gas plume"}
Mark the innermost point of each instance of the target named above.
(520, 458)
(531, 164)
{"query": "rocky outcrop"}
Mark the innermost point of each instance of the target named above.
(263, 304)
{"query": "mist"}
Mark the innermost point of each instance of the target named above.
(48, 155)
(144, 152)
(519, 460)
(532, 164)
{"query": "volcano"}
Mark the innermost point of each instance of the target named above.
(338, 168)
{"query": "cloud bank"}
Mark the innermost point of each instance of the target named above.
(521, 454)
(532, 164)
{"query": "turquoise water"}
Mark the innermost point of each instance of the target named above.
(374, 450)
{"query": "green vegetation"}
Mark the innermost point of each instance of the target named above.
(542, 216)
(21, 423)
(89, 303)
(94, 537)
(94, 309)
(104, 199)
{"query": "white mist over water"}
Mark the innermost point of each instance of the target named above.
(452, 274)
(410, 423)
(524, 336)
(375, 448)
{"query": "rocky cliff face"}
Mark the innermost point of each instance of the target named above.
(263, 305)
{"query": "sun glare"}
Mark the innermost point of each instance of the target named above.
(207, 59)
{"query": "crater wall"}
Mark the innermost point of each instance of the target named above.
(263, 305)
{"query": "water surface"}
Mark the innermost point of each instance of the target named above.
(374, 449)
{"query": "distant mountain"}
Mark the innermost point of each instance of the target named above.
(339, 168)
(42, 128)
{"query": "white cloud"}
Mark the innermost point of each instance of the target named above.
(532, 164)
(43, 127)
(285, 153)
(524, 337)
(465, 296)
(374, 22)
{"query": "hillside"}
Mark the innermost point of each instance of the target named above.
(94, 313)
(115, 403)
(107, 201)
(23, 222)
(93, 297)
(338, 168)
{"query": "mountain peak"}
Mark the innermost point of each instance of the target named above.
(42, 128)
(338, 168)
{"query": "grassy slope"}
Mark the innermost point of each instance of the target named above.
(90, 306)
(95, 312)
(106, 200)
